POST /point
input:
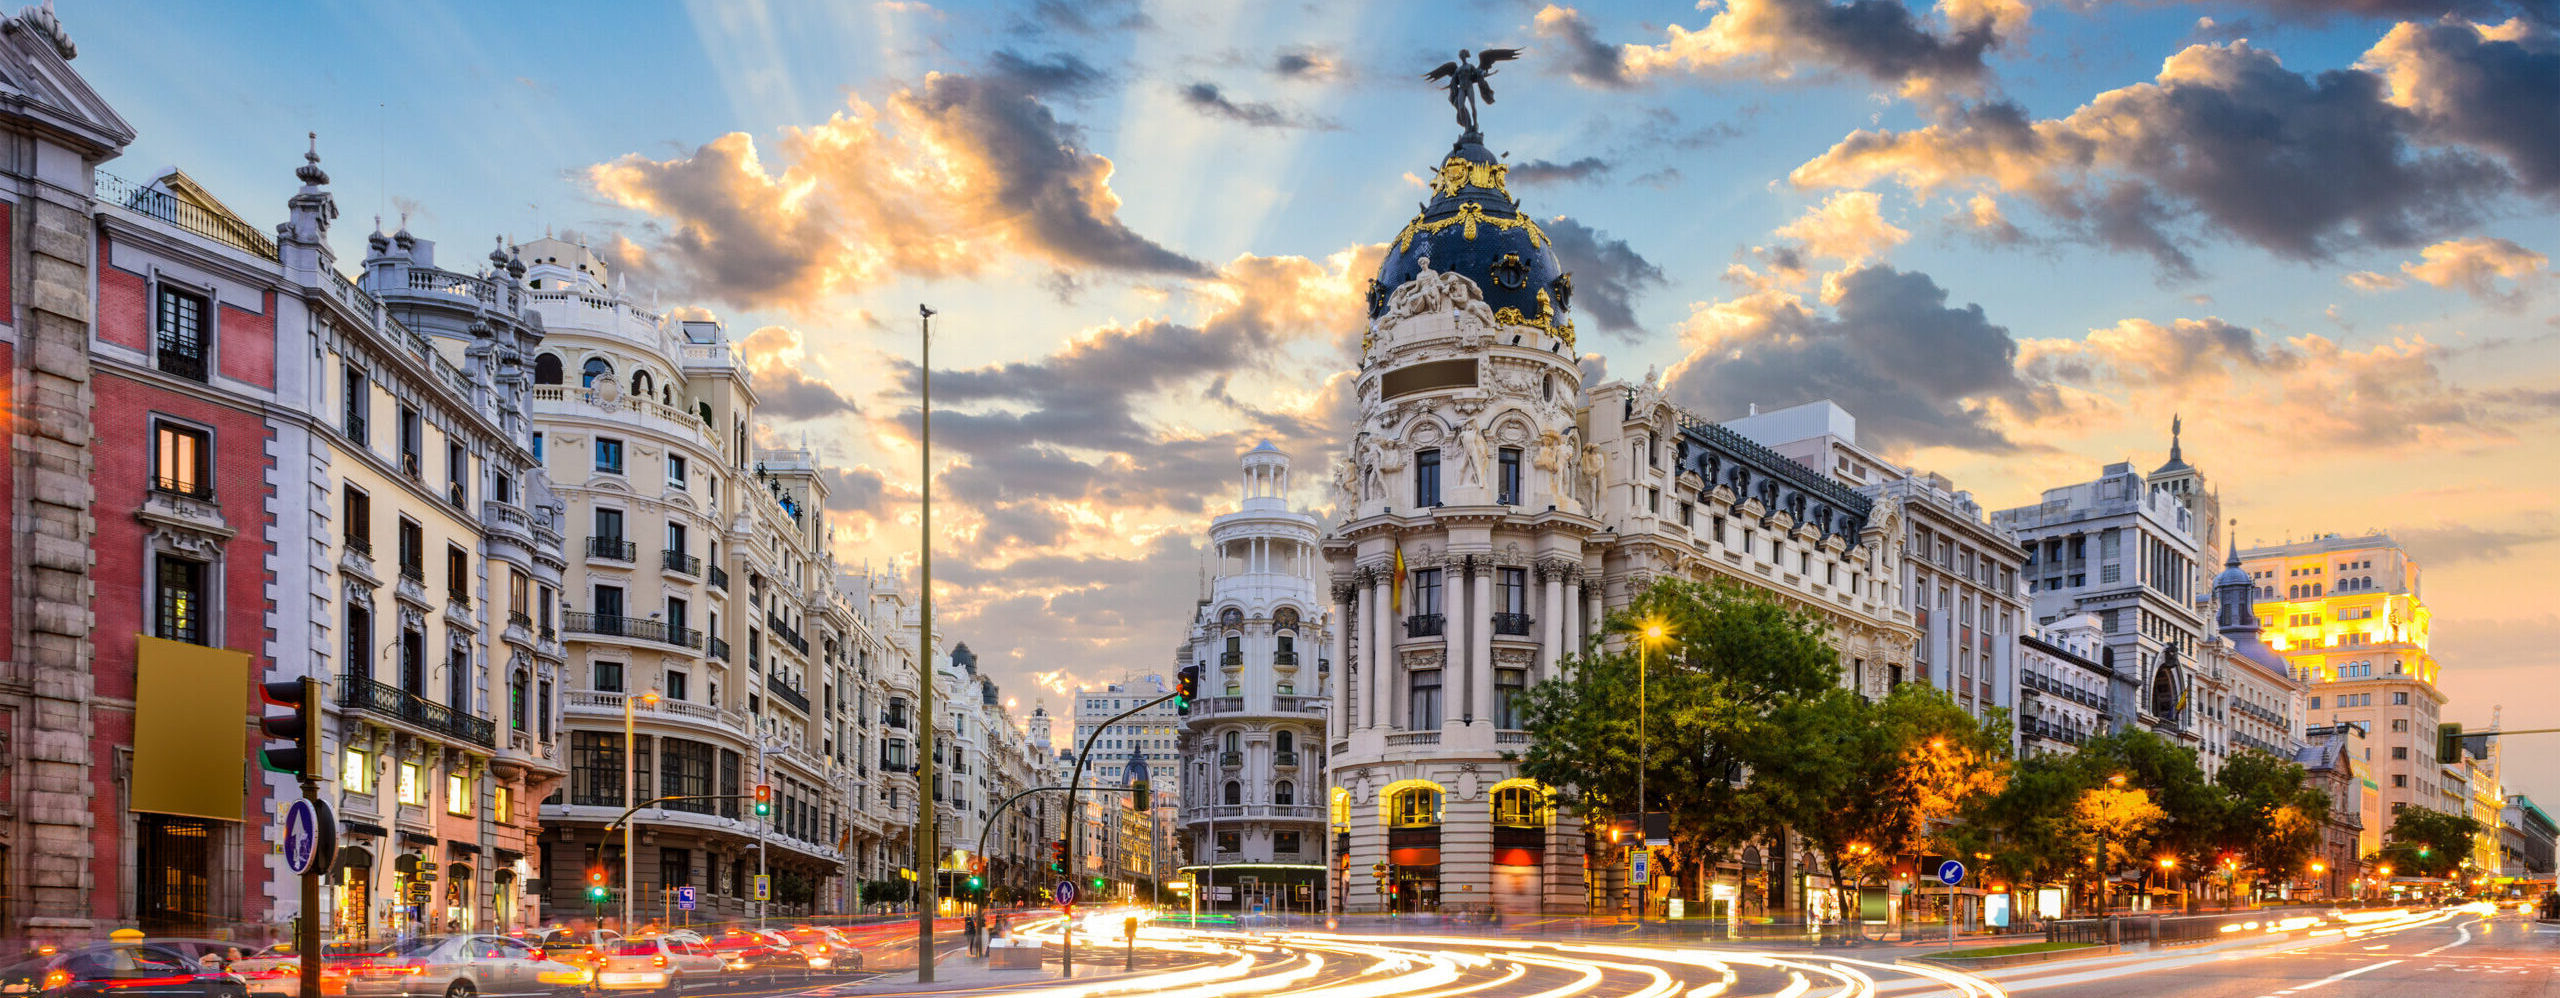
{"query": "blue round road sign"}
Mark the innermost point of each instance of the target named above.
(1951, 873)
(310, 835)
(1066, 892)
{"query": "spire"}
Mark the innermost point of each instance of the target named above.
(2176, 424)
(309, 172)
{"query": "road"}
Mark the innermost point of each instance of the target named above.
(2463, 955)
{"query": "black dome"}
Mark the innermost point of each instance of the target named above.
(1473, 227)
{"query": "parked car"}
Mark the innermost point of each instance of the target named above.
(125, 970)
(461, 967)
(828, 949)
(657, 963)
(759, 954)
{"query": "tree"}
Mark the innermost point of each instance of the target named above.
(2117, 824)
(1729, 660)
(2192, 809)
(2271, 818)
(2029, 828)
(1867, 781)
(2426, 842)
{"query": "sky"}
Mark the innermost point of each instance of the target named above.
(2014, 237)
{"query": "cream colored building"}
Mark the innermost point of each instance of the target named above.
(2349, 615)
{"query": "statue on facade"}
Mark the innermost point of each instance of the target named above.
(1594, 475)
(1386, 460)
(1469, 80)
(1550, 460)
(1473, 454)
(1346, 481)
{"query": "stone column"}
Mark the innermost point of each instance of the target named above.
(1551, 616)
(1480, 608)
(1382, 649)
(1344, 595)
(1573, 615)
(1455, 611)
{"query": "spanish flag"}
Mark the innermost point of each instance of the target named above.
(1395, 589)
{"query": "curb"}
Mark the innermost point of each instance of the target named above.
(2016, 959)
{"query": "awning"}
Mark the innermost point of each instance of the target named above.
(415, 839)
(363, 828)
(462, 848)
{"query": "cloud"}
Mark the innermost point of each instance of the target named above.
(2370, 282)
(781, 365)
(2448, 544)
(2475, 265)
(1061, 73)
(1588, 60)
(945, 179)
(1082, 17)
(2488, 86)
(1303, 64)
(1545, 171)
(1913, 370)
(1882, 40)
(2301, 166)
(1608, 275)
(1847, 226)
(1208, 99)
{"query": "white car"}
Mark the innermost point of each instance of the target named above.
(658, 963)
(460, 967)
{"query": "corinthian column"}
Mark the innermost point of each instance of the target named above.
(1382, 654)
(1480, 631)
(1344, 594)
(1551, 616)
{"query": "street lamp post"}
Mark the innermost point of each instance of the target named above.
(928, 858)
(1653, 632)
(630, 778)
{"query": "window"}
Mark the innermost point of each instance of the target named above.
(181, 461)
(2399, 699)
(595, 367)
(609, 524)
(180, 600)
(457, 574)
(1234, 793)
(413, 437)
(457, 793)
(1426, 478)
(537, 446)
(609, 455)
(1424, 699)
(676, 685)
(608, 677)
(411, 790)
(1284, 792)
(546, 369)
(1230, 841)
(2315, 703)
(1414, 806)
(595, 768)
(2400, 781)
(355, 771)
(1518, 807)
(358, 404)
(180, 339)
(2400, 724)
(1284, 843)
(357, 514)
(502, 808)
(1513, 591)
(457, 473)
(1426, 591)
(2400, 751)
(517, 693)
(675, 470)
(1508, 686)
(1507, 480)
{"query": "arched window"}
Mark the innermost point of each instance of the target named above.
(1518, 807)
(703, 409)
(546, 369)
(641, 385)
(1341, 809)
(1284, 792)
(1287, 741)
(1232, 617)
(1235, 792)
(1414, 806)
(596, 367)
(1232, 742)
(517, 686)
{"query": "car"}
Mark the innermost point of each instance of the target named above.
(656, 963)
(759, 954)
(277, 969)
(124, 969)
(461, 966)
(585, 949)
(828, 949)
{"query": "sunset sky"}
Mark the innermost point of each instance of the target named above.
(2012, 237)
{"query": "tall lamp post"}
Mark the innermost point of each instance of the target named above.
(630, 779)
(928, 857)
(1654, 632)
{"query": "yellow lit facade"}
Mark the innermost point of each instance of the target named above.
(2348, 615)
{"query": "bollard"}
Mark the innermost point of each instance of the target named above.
(1129, 928)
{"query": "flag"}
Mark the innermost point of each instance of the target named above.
(1395, 587)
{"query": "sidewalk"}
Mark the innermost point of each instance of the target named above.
(958, 971)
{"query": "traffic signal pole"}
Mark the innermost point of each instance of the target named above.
(1075, 784)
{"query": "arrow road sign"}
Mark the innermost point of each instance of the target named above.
(1066, 892)
(310, 836)
(1951, 873)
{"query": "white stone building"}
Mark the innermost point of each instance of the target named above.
(2063, 687)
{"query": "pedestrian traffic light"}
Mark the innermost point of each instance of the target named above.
(596, 890)
(1058, 856)
(298, 729)
(1138, 795)
(1186, 688)
(764, 799)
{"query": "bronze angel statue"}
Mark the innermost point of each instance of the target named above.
(1468, 80)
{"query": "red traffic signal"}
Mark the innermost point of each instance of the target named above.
(299, 730)
(1058, 856)
(764, 798)
(1186, 687)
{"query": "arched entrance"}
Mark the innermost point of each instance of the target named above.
(354, 882)
(1411, 811)
(1520, 816)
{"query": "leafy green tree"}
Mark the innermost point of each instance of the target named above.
(2271, 817)
(2426, 842)
(1867, 781)
(2192, 810)
(2028, 828)
(1728, 660)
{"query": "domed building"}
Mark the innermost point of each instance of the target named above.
(1491, 511)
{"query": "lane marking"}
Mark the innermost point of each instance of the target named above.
(2464, 928)
(2340, 976)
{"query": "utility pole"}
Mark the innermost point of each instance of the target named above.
(928, 856)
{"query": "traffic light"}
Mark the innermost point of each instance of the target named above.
(299, 756)
(1098, 883)
(596, 890)
(764, 799)
(1058, 856)
(1186, 688)
(2449, 742)
(976, 883)
(1138, 795)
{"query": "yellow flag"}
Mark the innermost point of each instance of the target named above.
(1395, 591)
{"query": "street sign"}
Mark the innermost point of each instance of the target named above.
(1951, 873)
(310, 836)
(420, 892)
(684, 898)
(764, 886)
(1066, 892)
(1639, 865)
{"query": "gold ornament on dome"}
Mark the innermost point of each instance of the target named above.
(1469, 216)
(1546, 319)
(1460, 173)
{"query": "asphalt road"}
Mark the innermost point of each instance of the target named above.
(2466, 955)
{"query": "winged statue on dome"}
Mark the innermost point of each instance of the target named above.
(1468, 80)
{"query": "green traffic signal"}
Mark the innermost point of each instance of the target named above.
(976, 882)
(595, 893)
(1097, 883)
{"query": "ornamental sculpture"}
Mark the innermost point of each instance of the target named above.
(1467, 81)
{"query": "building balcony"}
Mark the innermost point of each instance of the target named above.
(785, 633)
(612, 549)
(377, 697)
(1424, 625)
(1231, 760)
(189, 487)
(719, 578)
(1285, 659)
(182, 364)
(632, 627)
(786, 694)
(413, 574)
(1231, 659)
(1284, 760)
(680, 563)
(720, 649)
(1512, 624)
